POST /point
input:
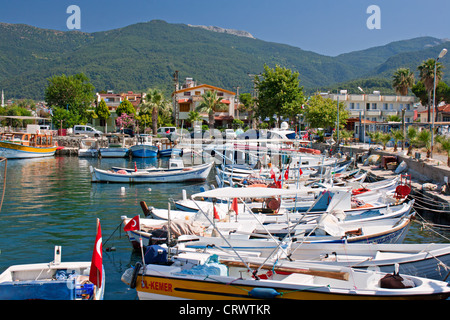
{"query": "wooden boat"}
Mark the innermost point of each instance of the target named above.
(195, 275)
(170, 152)
(88, 148)
(144, 148)
(429, 260)
(20, 145)
(50, 281)
(113, 151)
(195, 173)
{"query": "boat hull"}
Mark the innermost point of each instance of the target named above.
(160, 287)
(16, 151)
(198, 173)
(144, 151)
(170, 152)
(113, 152)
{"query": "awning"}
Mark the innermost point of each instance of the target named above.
(226, 101)
(184, 100)
(221, 118)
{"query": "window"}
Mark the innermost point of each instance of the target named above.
(357, 105)
(408, 106)
(385, 106)
(197, 93)
(352, 105)
(187, 93)
(374, 106)
(391, 106)
(185, 107)
(220, 94)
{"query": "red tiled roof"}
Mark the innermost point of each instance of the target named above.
(444, 109)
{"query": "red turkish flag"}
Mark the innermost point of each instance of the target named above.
(216, 215)
(133, 224)
(95, 275)
(286, 173)
(301, 171)
(234, 205)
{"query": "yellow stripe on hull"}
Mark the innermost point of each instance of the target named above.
(13, 150)
(167, 288)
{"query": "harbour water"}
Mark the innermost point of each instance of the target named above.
(51, 201)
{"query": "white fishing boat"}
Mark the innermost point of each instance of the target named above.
(195, 275)
(113, 151)
(144, 147)
(88, 148)
(195, 173)
(57, 280)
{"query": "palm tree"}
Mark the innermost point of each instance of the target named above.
(154, 99)
(210, 104)
(426, 70)
(402, 80)
(384, 139)
(397, 135)
(411, 134)
(445, 143)
(424, 137)
(193, 116)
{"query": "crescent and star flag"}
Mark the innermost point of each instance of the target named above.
(133, 224)
(216, 215)
(95, 275)
(286, 173)
(234, 205)
(301, 172)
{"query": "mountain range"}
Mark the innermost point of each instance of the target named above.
(146, 55)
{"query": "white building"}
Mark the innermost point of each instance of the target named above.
(189, 97)
(374, 108)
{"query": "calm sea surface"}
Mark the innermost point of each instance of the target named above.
(52, 202)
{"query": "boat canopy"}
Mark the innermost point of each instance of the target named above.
(260, 192)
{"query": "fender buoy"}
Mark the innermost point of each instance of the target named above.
(137, 267)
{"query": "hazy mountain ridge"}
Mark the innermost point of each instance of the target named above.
(146, 55)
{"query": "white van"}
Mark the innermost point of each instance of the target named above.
(86, 130)
(166, 131)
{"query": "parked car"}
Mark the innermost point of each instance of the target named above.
(229, 134)
(127, 131)
(166, 131)
(86, 130)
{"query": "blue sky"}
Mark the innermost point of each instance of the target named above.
(328, 27)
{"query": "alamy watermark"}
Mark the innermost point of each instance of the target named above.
(374, 20)
(74, 20)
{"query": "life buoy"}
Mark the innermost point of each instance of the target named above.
(133, 281)
(359, 191)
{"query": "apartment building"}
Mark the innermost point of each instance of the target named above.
(189, 97)
(374, 108)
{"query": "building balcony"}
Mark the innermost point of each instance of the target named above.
(373, 113)
(388, 113)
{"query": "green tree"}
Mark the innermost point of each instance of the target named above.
(397, 135)
(445, 143)
(158, 104)
(279, 93)
(63, 118)
(402, 80)
(211, 103)
(411, 135)
(424, 137)
(103, 112)
(384, 139)
(74, 93)
(322, 113)
(125, 107)
(426, 70)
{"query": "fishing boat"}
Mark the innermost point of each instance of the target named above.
(20, 145)
(113, 151)
(195, 173)
(201, 275)
(144, 148)
(429, 260)
(88, 148)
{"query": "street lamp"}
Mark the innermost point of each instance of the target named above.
(364, 115)
(443, 53)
